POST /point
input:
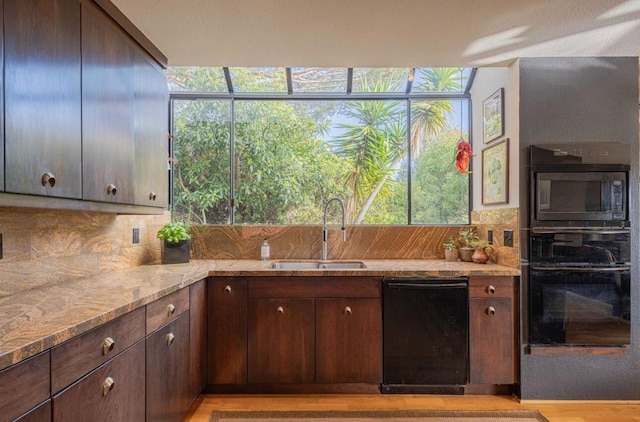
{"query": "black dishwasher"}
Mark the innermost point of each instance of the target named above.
(425, 335)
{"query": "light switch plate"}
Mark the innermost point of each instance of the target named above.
(136, 235)
(490, 236)
(508, 238)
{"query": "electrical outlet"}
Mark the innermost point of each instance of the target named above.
(490, 236)
(508, 238)
(136, 235)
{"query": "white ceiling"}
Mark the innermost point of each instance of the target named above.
(380, 33)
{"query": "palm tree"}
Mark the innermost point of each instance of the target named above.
(376, 146)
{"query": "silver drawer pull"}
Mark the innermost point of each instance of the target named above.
(170, 339)
(227, 289)
(491, 310)
(107, 345)
(111, 189)
(280, 310)
(171, 309)
(48, 179)
(152, 196)
(107, 386)
(347, 310)
(491, 290)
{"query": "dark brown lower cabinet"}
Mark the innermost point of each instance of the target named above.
(227, 330)
(29, 381)
(167, 378)
(41, 413)
(349, 340)
(198, 337)
(492, 330)
(281, 337)
(113, 392)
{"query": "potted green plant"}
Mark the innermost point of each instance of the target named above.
(466, 236)
(175, 243)
(480, 255)
(450, 250)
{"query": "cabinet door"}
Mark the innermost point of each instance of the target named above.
(151, 99)
(198, 337)
(43, 97)
(113, 392)
(227, 330)
(107, 109)
(281, 341)
(491, 341)
(349, 340)
(167, 386)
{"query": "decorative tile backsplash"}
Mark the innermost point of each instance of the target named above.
(42, 247)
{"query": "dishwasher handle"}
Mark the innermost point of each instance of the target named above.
(432, 284)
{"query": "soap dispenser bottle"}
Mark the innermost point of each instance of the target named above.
(264, 250)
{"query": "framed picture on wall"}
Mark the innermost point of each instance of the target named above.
(493, 116)
(495, 173)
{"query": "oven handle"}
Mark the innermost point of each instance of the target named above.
(461, 285)
(584, 270)
(570, 230)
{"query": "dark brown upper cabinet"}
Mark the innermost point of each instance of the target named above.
(151, 99)
(42, 86)
(107, 109)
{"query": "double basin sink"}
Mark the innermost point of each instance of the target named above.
(317, 265)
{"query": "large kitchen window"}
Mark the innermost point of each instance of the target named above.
(272, 145)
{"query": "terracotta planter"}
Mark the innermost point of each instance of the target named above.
(176, 253)
(465, 254)
(480, 256)
(451, 255)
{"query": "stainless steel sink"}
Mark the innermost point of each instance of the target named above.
(317, 265)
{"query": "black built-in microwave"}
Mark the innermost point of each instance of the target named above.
(569, 187)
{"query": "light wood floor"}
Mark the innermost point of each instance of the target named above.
(555, 411)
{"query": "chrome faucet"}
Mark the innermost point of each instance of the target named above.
(325, 231)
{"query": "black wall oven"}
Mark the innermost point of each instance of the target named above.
(579, 287)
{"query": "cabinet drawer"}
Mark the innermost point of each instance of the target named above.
(315, 287)
(166, 309)
(24, 386)
(74, 358)
(41, 413)
(491, 287)
(113, 392)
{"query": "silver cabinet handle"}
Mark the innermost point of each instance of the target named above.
(48, 179)
(491, 311)
(491, 290)
(227, 289)
(347, 310)
(107, 345)
(280, 310)
(111, 189)
(152, 196)
(107, 386)
(170, 339)
(171, 309)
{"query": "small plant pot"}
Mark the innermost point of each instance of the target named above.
(480, 256)
(176, 253)
(466, 253)
(451, 255)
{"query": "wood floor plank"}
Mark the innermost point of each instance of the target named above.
(560, 411)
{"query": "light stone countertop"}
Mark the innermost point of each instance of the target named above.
(36, 320)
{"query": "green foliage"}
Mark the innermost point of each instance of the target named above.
(284, 168)
(450, 244)
(478, 243)
(440, 194)
(173, 233)
(468, 235)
